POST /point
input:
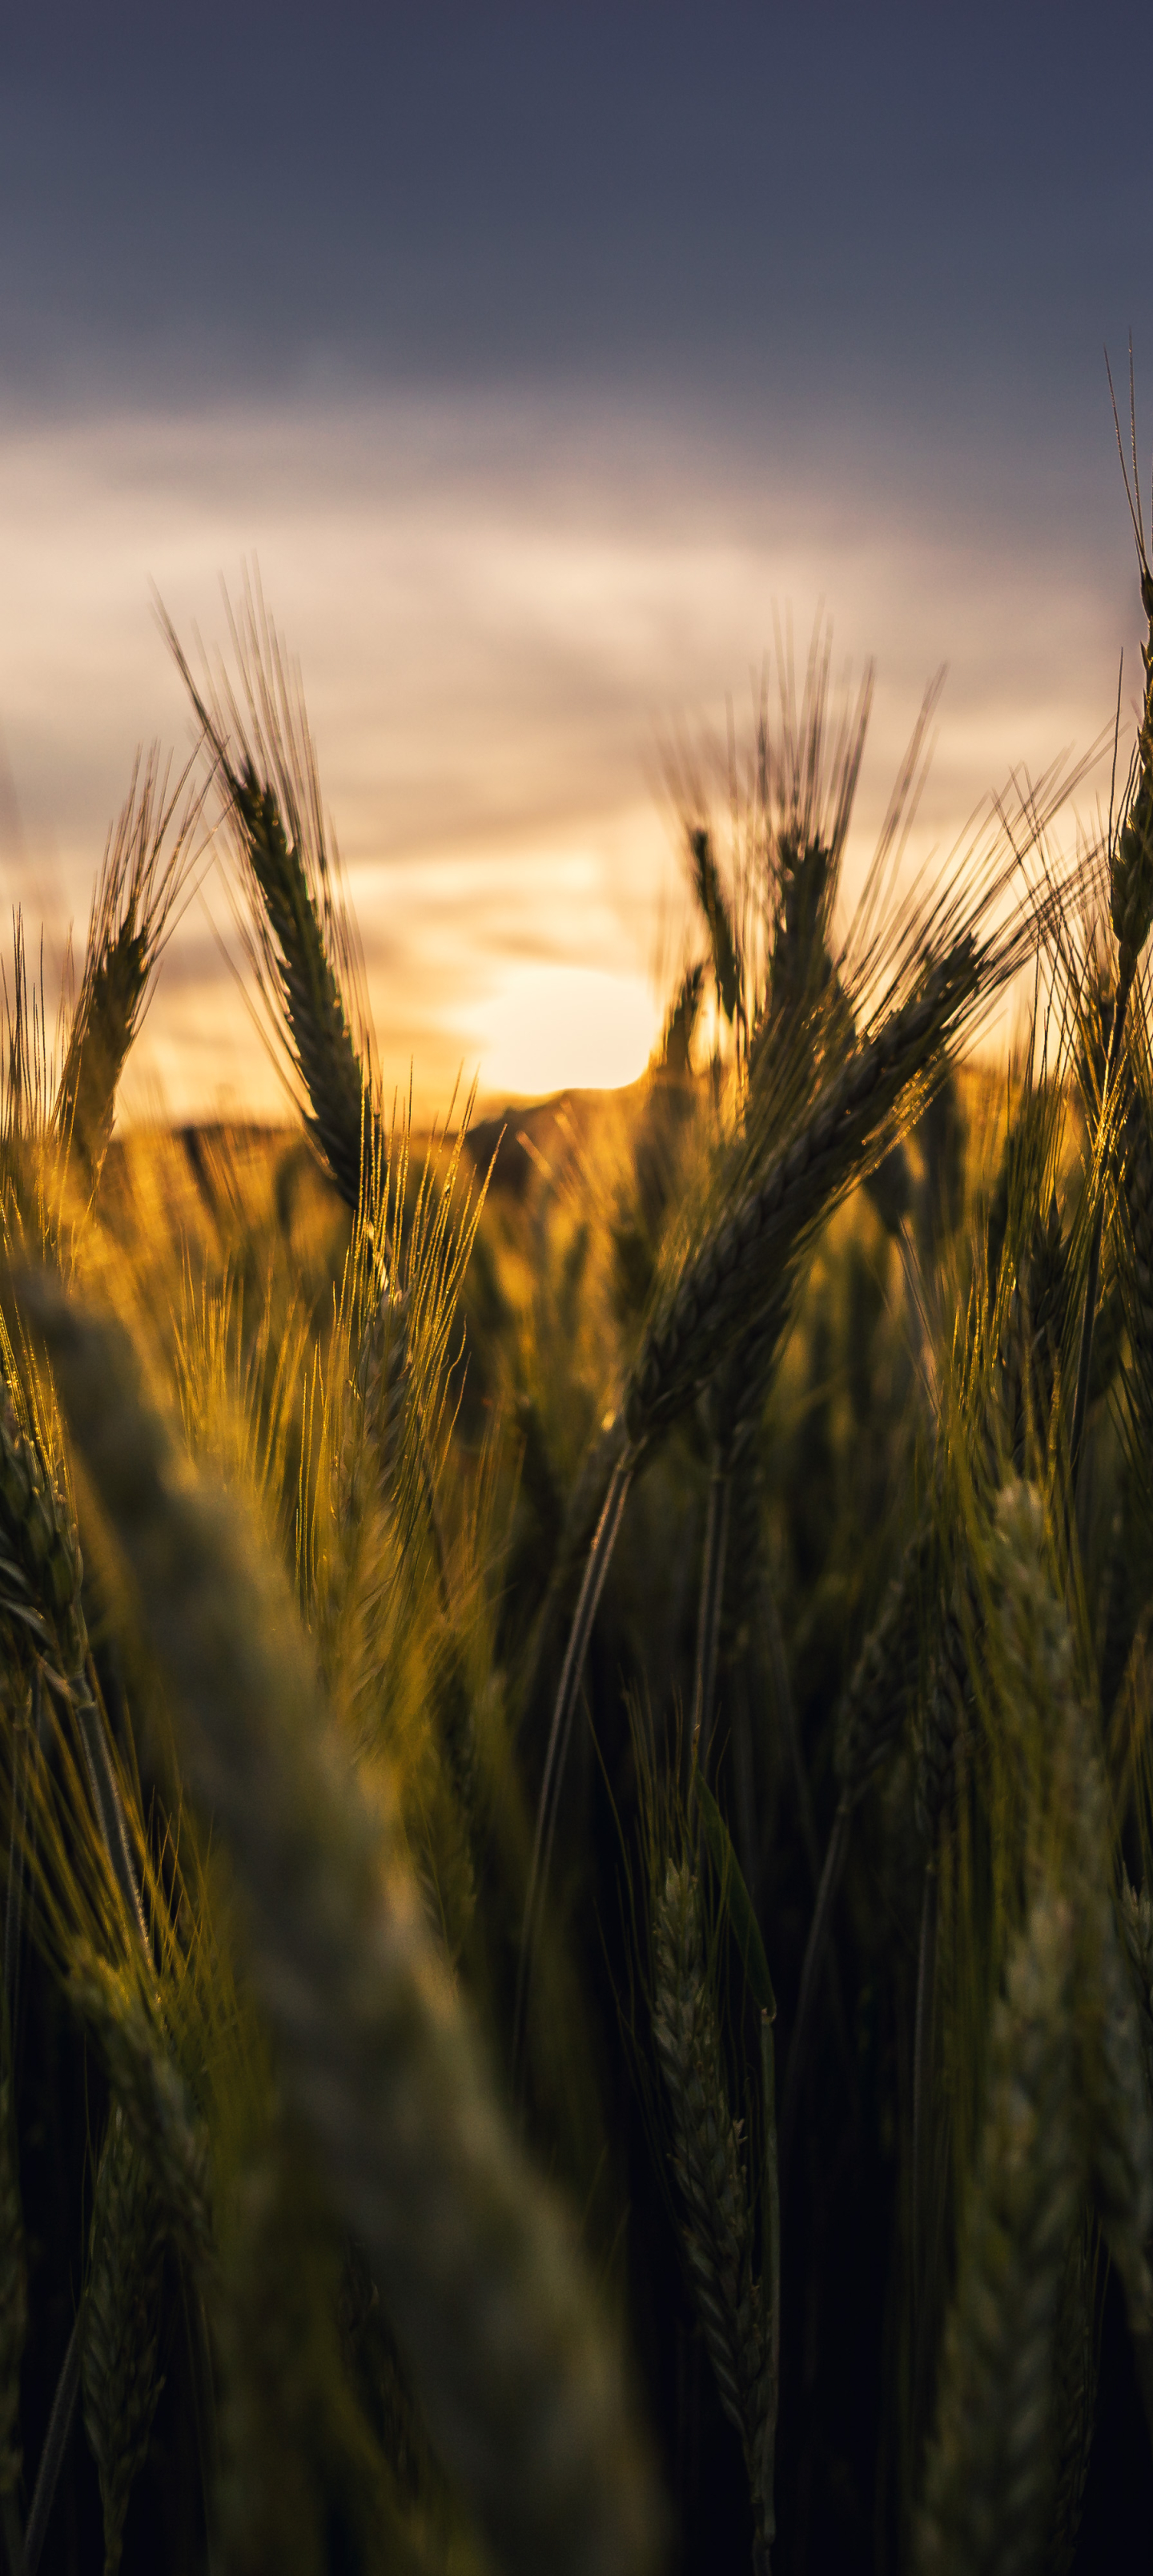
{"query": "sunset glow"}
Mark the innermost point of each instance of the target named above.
(535, 473)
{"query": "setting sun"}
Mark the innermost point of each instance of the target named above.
(552, 1028)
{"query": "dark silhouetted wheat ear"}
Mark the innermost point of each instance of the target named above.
(120, 2325)
(706, 2155)
(990, 2475)
(517, 2373)
(1074, 2397)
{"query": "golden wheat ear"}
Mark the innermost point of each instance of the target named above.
(151, 855)
(300, 936)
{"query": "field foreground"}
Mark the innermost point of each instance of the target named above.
(578, 1948)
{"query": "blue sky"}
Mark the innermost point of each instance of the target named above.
(537, 353)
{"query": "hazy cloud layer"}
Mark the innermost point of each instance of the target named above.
(501, 610)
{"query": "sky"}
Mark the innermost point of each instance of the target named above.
(550, 362)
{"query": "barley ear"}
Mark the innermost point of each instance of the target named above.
(120, 2325)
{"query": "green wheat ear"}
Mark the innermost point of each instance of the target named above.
(990, 2477)
(518, 2374)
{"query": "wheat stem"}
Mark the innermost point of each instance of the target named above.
(923, 2070)
(711, 1598)
(556, 1752)
(815, 1952)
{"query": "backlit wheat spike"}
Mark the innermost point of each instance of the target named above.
(516, 2371)
(120, 2325)
(343, 1120)
(1137, 1273)
(146, 866)
(708, 2166)
(990, 2476)
(733, 1276)
(1131, 857)
(1131, 912)
(265, 759)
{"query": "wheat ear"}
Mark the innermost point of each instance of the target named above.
(729, 1293)
(1131, 912)
(133, 910)
(273, 795)
(120, 2325)
(40, 1577)
(718, 2231)
(517, 2374)
(989, 2479)
(151, 2097)
(1113, 2097)
(734, 1274)
(1074, 2397)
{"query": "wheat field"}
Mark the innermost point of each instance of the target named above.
(577, 1781)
